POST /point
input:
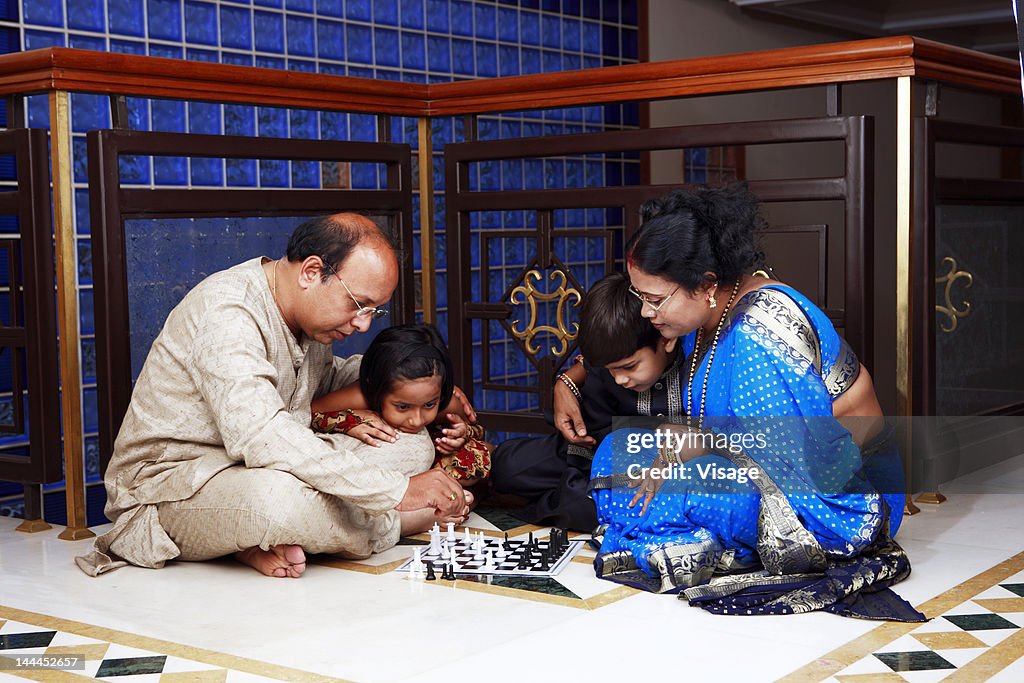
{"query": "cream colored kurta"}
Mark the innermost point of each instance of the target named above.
(225, 385)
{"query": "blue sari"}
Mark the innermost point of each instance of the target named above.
(784, 514)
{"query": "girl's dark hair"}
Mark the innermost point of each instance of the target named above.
(697, 230)
(611, 327)
(405, 352)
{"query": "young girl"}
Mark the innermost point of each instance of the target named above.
(405, 379)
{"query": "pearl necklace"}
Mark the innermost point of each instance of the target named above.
(711, 357)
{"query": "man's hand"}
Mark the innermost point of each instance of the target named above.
(569, 419)
(434, 489)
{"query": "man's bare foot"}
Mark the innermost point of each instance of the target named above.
(280, 561)
(418, 521)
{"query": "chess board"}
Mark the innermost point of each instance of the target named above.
(511, 565)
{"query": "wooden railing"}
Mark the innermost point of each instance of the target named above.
(58, 71)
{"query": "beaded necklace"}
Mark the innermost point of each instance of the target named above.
(711, 357)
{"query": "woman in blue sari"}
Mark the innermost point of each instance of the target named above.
(782, 491)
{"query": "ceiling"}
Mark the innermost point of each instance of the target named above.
(984, 25)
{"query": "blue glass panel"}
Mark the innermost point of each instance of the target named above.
(462, 18)
(610, 40)
(551, 5)
(88, 15)
(529, 28)
(165, 19)
(358, 10)
(168, 51)
(629, 44)
(239, 119)
(485, 16)
(197, 55)
(530, 4)
(385, 12)
(301, 39)
(269, 32)
(629, 13)
(268, 3)
(85, 312)
(79, 168)
(551, 31)
(385, 47)
(387, 74)
(241, 172)
(591, 62)
(571, 35)
(302, 65)
(236, 27)
(299, 5)
(359, 43)
(305, 174)
(333, 126)
(613, 173)
(462, 57)
(573, 114)
(204, 118)
(330, 42)
(591, 37)
(412, 14)
(529, 61)
(332, 69)
(441, 132)
(273, 123)
(125, 17)
(508, 25)
(239, 58)
(303, 124)
(571, 62)
(168, 116)
(89, 112)
(439, 54)
(131, 47)
(170, 170)
(269, 62)
(359, 72)
(364, 176)
(508, 59)
(273, 173)
(44, 13)
(594, 173)
(591, 8)
(486, 60)
(610, 9)
(552, 61)
(201, 23)
(35, 39)
(90, 410)
(571, 7)
(330, 8)
(437, 16)
(134, 170)
(534, 174)
(414, 54)
(363, 127)
(82, 223)
(512, 174)
(631, 113)
(489, 175)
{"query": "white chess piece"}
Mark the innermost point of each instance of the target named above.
(488, 562)
(417, 565)
(435, 540)
(468, 538)
(451, 532)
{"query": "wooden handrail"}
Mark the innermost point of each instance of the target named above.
(881, 58)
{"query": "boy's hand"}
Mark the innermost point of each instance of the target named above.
(569, 419)
(453, 437)
(374, 430)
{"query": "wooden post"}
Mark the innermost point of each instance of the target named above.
(425, 158)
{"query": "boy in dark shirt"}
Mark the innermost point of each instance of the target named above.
(629, 371)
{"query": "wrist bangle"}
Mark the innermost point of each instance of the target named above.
(567, 381)
(578, 360)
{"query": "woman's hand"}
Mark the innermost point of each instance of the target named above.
(454, 437)
(467, 407)
(373, 430)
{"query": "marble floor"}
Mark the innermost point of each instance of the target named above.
(363, 621)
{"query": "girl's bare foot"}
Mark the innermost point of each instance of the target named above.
(281, 561)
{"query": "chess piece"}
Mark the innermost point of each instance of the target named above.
(451, 532)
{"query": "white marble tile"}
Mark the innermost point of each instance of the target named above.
(994, 636)
(927, 676)
(961, 656)
(866, 665)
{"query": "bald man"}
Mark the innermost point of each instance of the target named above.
(215, 455)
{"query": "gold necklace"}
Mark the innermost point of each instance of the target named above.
(711, 357)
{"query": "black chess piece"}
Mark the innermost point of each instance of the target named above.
(431, 576)
(505, 544)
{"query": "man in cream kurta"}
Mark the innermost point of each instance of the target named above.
(215, 454)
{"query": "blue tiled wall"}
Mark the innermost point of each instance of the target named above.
(405, 40)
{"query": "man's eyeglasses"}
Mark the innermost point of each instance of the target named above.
(361, 310)
(654, 304)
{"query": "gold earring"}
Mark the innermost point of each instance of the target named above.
(712, 303)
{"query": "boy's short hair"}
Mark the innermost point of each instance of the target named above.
(611, 327)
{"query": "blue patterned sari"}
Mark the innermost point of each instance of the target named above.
(799, 524)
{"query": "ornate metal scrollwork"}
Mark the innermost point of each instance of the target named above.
(949, 309)
(531, 295)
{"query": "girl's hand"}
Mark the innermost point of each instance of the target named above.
(452, 438)
(373, 430)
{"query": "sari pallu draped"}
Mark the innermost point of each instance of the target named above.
(812, 526)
